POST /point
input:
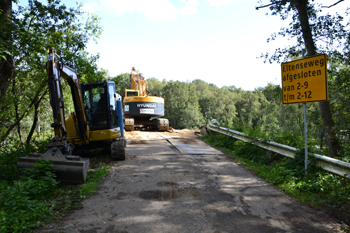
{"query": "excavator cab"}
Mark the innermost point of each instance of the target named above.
(129, 93)
(100, 105)
(101, 111)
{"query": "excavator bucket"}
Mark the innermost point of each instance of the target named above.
(68, 168)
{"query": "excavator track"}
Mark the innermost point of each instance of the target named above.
(129, 124)
(163, 124)
(118, 149)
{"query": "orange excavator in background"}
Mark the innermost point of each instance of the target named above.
(141, 110)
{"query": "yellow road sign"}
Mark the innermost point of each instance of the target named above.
(305, 80)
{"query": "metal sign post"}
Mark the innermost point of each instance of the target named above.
(305, 136)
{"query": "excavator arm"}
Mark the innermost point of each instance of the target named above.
(57, 68)
(138, 82)
(69, 168)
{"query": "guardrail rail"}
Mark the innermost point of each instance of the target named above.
(326, 163)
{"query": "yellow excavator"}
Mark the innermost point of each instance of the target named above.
(141, 110)
(96, 122)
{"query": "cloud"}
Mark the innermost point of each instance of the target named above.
(90, 7)
(190, 7)
(218, 3)
(154, 10)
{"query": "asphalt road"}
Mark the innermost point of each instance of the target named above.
(173, 182)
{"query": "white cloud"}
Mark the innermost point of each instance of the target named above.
(154, 10)
(218, 3)
(190, 7)
(90, 7)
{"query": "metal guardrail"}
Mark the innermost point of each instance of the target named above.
(326, 163)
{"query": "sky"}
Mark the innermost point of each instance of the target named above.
(217, 41)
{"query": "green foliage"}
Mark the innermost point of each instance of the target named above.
(122, 82)
(155, 86)
(339, 84)
(216, 103)
(35, 28)
(297, 165)
(43, 178)
(25, 204)
(181, 105)
(13, 150)
(31, 197)
(326, 30)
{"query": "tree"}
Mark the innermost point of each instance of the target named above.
(6, 60)
(216, 103)
(33, 30)
(155, 86)
(304, 12)
(247, 106)
(122, 82)
(181, 105)
(339, 89)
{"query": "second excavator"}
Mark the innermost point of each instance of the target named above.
(142, 110)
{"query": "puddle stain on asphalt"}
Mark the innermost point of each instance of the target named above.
(174, 192)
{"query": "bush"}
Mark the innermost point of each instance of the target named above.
(13, 150)
(24, 204)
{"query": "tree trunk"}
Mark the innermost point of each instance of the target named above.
(6, 65)
(321, 140)
(15, 103)
(332, 140)
(35, 121)
(331, 133)
(11, 127)
(36, 116)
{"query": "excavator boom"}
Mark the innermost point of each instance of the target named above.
(138, 82)
(57, 68)
(69, 168)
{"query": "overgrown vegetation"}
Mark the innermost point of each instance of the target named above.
(29, 198)
(318, 188)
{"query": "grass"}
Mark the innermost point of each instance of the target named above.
(31, 198)
(317, 189)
